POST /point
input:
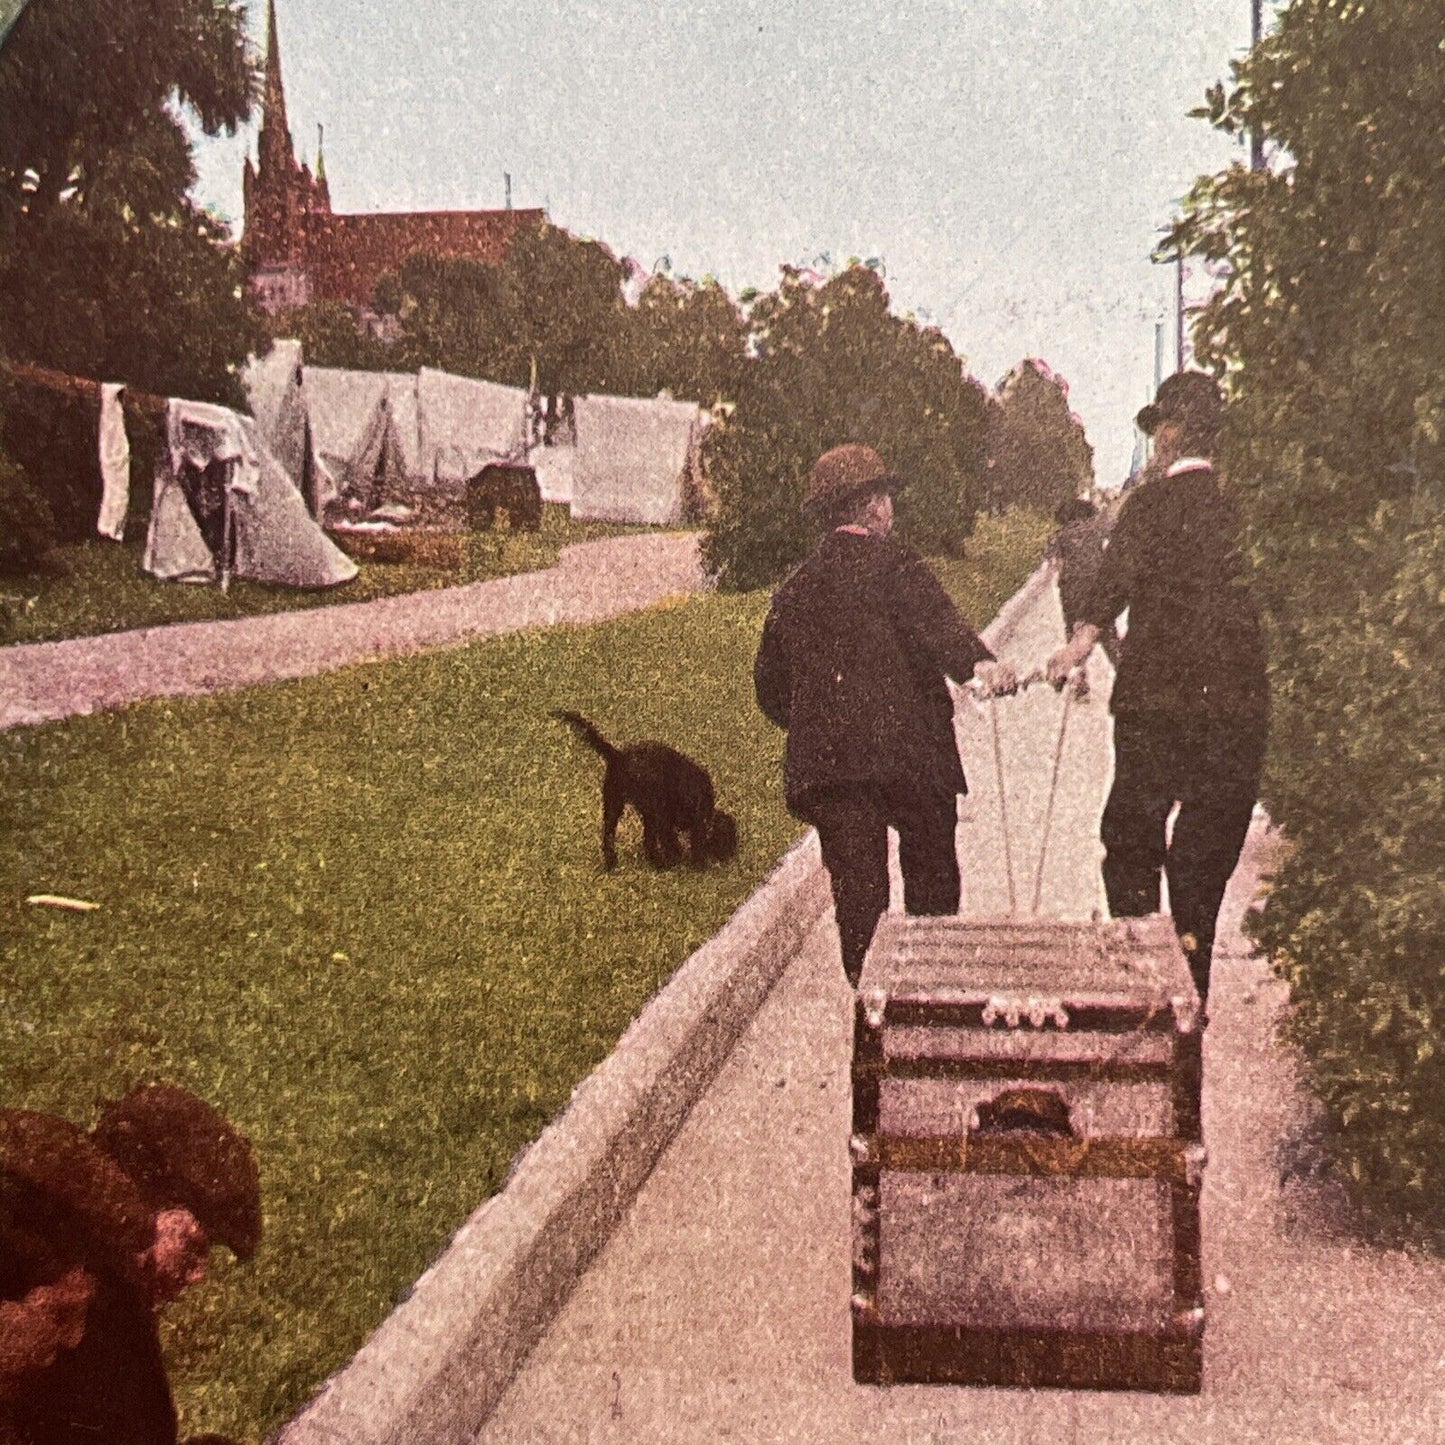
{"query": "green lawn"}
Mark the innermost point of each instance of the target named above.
(99, 585)
(364, 914)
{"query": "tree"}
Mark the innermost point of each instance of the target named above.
(554, 312)
(1038, 455)
(561, 305)
(107, 268)
(1330, 328)
(832, 365)
(449, 315)
(81, 80)
(555, 303)
(685, 337)
(330, 335)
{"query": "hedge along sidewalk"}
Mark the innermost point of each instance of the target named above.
(436, 1367)
(44, 681)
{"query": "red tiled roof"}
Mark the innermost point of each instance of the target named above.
(348, 255)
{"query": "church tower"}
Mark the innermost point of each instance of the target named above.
(280, 196)
(298, 251)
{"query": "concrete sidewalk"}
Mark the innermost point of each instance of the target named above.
(719, 1309)
(43, 681)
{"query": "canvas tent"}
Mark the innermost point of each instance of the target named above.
(404, 402)
(277, 399)
(364, 430)
(223, 506)
(553, 466)
(635, 459)
(466, 424)
(385, 437)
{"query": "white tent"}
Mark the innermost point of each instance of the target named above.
(273, 392)
(223, 506)
(276, 396)
(350, 421)
(367, 431)
(405, 404)
(465, 424)
(634, 458)
(553, 466)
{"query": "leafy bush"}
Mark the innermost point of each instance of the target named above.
(1356, 919)
(330, 335)
(832, 365)
(27, 530)
(51, 437)
(1331, 327)
(1038, 455)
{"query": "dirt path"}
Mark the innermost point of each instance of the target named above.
(42, 681)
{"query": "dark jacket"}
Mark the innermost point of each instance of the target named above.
(1194, 641)
(854, 656)
(1079, 547)
(63, 1203)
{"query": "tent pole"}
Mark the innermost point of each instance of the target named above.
(227, 528)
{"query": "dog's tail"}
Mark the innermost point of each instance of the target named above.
(587, 732)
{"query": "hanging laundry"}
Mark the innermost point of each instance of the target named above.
(114, 462)
(224, 506)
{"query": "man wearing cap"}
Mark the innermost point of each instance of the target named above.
(1191, 696)
(96, 1232)
(854, 660)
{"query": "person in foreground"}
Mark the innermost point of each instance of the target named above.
(97, 1231)
(854, 660)
(1191, 696)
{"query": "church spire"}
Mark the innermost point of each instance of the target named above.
(275, 148)
(320, 191)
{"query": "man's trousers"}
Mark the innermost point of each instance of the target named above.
(1208, 763)
(853, 825)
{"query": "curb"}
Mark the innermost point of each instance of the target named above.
(437, 1365)
(435, 1368)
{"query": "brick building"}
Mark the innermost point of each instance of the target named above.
(300, 250)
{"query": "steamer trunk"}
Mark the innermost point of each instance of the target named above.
(1026, 1156)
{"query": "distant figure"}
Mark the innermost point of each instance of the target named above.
(1076, 550)
(854, 663)
(97, 1231)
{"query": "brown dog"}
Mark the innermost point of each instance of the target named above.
(671, 793)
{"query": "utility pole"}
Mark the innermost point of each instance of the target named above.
(507, 176)
(1179, 312)
(1256, 140)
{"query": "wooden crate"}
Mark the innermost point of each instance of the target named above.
(1026, 1156)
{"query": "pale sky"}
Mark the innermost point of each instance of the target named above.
(1012, 161)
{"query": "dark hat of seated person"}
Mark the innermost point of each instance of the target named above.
(1190, 397)
(183, 1154)
(845, 473)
